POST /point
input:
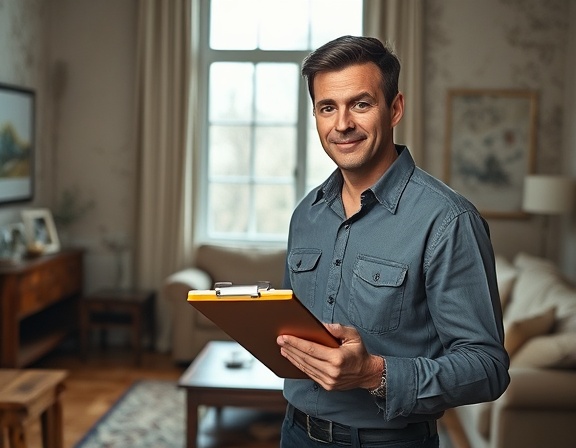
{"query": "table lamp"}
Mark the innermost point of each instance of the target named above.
(548, 195)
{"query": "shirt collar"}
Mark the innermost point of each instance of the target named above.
(387, 190)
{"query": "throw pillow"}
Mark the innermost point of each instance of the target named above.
(520, 331)
(549, 351)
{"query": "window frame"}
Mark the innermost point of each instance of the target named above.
(207, 56)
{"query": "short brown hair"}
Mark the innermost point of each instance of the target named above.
(351, 50)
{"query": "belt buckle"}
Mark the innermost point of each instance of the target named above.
(316, 439)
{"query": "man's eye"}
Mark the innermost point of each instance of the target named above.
(362, 105)
(326, 109)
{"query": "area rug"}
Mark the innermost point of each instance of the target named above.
(150, 414)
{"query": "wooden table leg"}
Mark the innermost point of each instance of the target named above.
(191, 420)
(52, 422)
(16, 436)
(137, 333)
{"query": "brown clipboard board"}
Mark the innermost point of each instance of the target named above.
(255, 318)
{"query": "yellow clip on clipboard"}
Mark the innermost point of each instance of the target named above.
(255, 316)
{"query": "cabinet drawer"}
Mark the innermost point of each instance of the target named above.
(48, 284)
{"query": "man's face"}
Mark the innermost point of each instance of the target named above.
(353, 121)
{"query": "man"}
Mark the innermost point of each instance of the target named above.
(399, 267)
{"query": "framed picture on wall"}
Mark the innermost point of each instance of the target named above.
(40, 229)
(490, 147)
(16, 144)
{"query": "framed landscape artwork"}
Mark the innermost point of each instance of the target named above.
(16, 144)
(490, 147)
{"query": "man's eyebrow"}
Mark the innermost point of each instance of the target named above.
(360, 97)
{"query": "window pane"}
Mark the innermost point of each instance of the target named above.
(229, 150)
(229, 208)
(283, 25)
(333, 18)
(276, 93)
(318, 165)
(233, 24)
(274, 205)
(231, 91)
(275, 152)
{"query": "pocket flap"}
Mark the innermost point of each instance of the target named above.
(302, 260)
(381, 272)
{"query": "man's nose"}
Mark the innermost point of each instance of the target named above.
(344, 121)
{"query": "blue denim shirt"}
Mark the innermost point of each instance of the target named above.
(413, 272)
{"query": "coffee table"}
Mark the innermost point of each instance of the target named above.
(208, 381)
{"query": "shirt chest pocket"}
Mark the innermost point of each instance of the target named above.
(376, 294)
(303, 273)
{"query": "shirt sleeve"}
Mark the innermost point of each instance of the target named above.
(462, 296)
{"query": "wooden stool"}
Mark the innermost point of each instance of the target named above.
(115, 308)
(29, 394)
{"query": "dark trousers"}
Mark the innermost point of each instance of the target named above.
(296, 436)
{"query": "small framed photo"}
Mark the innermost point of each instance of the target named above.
(40, 229)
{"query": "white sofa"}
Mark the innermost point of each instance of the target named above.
(539, 407)
(239, 265)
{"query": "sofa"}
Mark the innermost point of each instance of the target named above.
(539, 407)
(215, 263)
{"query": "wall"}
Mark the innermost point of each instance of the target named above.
(80, 56)
(92, 74)
(499, 44)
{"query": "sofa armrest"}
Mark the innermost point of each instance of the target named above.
(540, 389)
(538, 409)
(189, 329)
(184, 281)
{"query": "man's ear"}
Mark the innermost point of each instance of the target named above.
(397, 110)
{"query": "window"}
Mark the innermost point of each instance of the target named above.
(261, 150)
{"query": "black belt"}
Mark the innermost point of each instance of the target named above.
(327, 431)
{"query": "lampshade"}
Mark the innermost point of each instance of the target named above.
(548, 195)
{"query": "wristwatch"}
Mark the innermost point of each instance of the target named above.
(380, 391)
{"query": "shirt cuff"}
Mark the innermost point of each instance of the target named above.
(401, 387)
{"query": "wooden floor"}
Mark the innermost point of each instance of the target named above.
(94, 386)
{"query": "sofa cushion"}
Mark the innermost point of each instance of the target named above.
(549, 351)
(520, 331)
(506, 275)
(563, 297)
(242, 265)
(535, 279)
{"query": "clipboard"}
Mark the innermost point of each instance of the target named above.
(254, 316)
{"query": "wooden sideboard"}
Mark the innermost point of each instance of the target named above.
(38, 305)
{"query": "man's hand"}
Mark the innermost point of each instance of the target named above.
(346, 367)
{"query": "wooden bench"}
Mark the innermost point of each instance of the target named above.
(26, 395)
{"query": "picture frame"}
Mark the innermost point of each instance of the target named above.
(17, 143)
(12, 242)
(490, 147)
(41, 230)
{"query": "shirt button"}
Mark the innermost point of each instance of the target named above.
(331, 300)
(338, 262)
(347, 226)
(315, 387)
(376, 276)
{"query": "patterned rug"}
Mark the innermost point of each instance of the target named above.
(150, 414)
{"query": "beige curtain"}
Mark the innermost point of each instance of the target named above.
(163, 116)
(400, 22)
